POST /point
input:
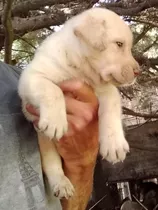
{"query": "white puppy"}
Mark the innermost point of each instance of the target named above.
(94, 47)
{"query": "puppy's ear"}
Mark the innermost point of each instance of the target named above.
(92, 31)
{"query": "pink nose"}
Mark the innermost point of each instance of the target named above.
(136, 70)
(136, 73)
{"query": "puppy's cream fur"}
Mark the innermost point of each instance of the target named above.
(94, 47)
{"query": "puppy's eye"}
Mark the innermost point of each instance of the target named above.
(119, 44)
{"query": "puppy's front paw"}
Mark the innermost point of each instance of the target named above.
(53, 121)
(114, 148)
(61, 186)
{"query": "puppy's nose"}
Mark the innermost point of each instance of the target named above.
(136, 73)
(136, 70)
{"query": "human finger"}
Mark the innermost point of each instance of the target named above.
(78, 108)
(81, 90)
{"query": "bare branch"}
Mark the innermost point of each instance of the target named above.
(153, 61)
(25, 25)
(23, 39)
(22, 8)
(139, 203)
(126, 95)
(151, 79)
(137, 114)
(149, 22)
(151, 45)
(23, 51)
(98, 202)
(131, 10)
(8, 31)
(140, 36)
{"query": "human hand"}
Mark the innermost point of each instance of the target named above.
(81, 106)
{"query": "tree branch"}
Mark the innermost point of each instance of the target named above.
(22, 8)
(150, 79)
(8, 31)
(137, 114)
(150, 46)
(153, 61)
(25, 25)
(24, 40)
(140, 36)
(23, 51)
(22, 26)
(131, 10)
(149, 22)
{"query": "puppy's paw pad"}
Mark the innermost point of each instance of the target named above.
(115, 151)
(62, 187)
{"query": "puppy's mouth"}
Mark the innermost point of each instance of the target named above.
(110, 78)
(115, 82)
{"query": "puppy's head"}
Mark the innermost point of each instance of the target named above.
(108, 41)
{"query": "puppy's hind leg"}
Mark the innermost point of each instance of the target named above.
(60, 185)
